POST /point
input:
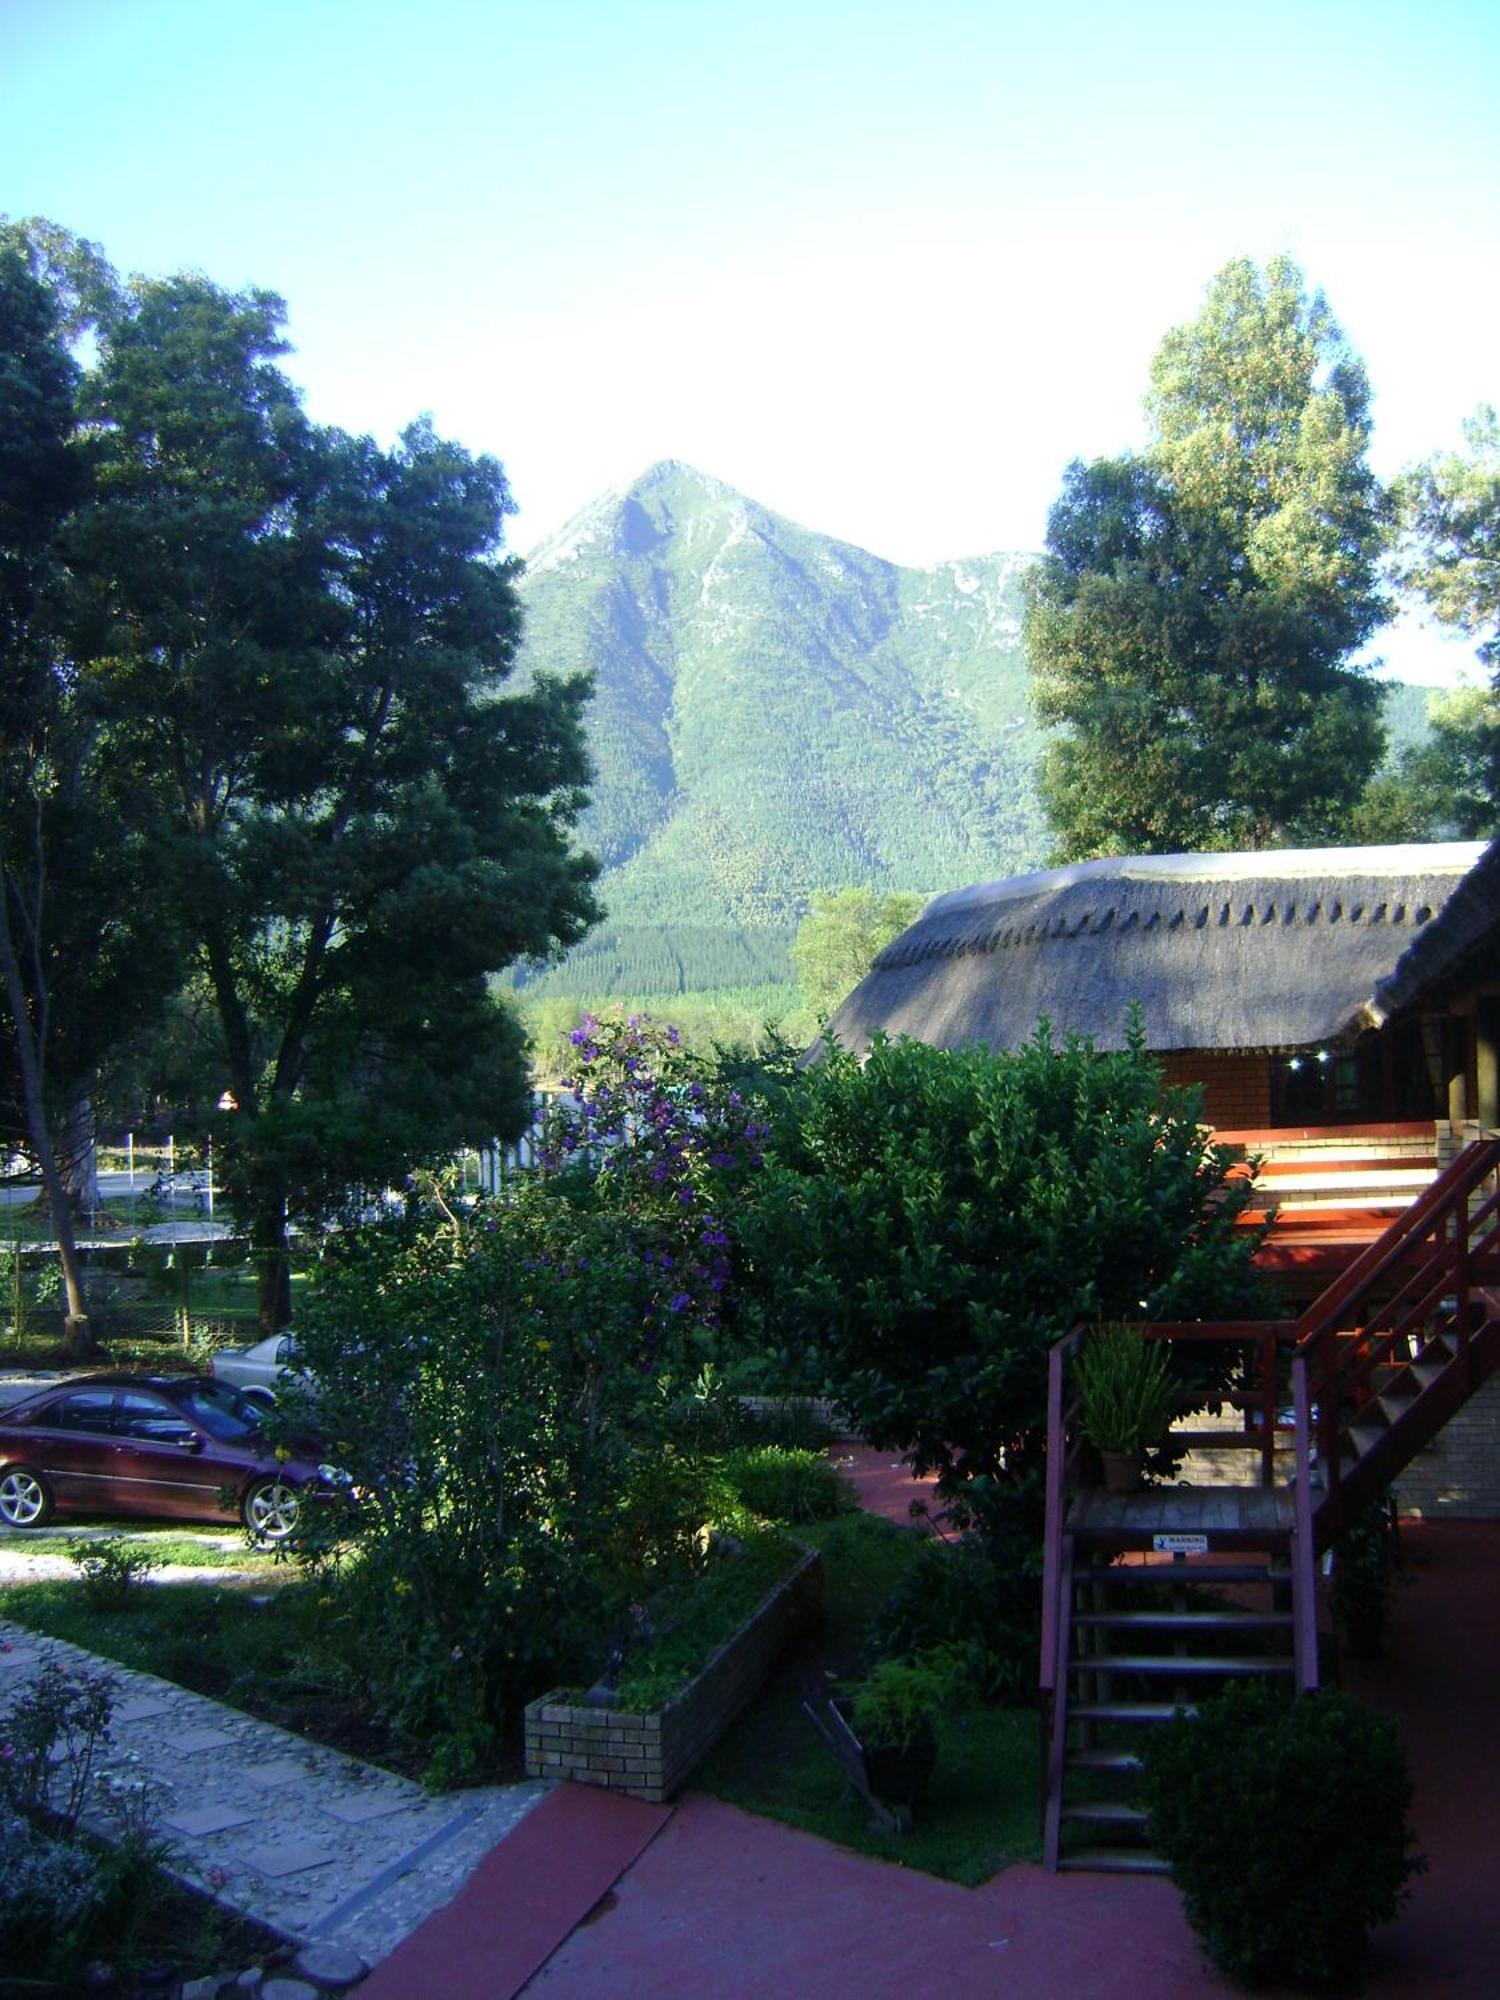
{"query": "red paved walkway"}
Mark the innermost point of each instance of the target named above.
(723, 1905)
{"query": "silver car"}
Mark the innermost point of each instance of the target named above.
(261, 1372)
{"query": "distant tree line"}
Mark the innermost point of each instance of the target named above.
(269, 813)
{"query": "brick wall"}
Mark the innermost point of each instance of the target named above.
(1458, 1475)
(1236, 1088)
(650, 1755)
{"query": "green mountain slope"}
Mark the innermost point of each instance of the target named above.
(775, 712)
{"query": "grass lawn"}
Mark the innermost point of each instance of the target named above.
(981, 1811)
(201, 1548)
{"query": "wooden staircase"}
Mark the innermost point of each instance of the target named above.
(1150, 1600)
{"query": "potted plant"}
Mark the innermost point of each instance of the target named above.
(1125, 1393)
(893, 1713)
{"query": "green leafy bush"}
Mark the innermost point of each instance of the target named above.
(961, 1596)
(1285, 1824)
(900, 1701)
(111, 1570)
(782, 1484)
(931, 1220)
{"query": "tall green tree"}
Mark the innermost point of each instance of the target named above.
(840, 937)
(309, 637)
(1448, 555)
(86, 942)
(1191, 624)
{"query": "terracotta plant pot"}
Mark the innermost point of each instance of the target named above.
(1122, 1471)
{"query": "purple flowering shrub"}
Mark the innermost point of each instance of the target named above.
(647, 1131)
(494, 1386)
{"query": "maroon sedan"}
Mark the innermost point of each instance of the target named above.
(175, 1447)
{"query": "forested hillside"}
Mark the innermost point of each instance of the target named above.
(775, 712)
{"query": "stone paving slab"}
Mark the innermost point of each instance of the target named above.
(307, 1841)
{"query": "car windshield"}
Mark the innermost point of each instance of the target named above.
(223, 1412)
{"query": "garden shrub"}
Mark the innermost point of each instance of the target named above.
(111, 1570)
(957, 1596)
(932, 1220)
(783, 1484)
(494, 1385)
(1284, 1820)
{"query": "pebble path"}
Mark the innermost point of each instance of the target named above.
(312, 1844)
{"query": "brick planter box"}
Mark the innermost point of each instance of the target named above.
(650, 1755)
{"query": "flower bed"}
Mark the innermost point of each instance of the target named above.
(650, 1754)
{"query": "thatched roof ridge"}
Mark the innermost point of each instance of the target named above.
(1223, 951)
(1468, 922)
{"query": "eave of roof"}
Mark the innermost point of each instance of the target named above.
(1228, 951)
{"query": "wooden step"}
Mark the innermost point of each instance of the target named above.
(1124, 1762)
(1128, 1711)
(1160, 1575)
(1178, 1664)
(1106, 1812)
(1113, 1861)
(1184, 1621)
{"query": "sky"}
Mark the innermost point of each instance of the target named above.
(885, 267)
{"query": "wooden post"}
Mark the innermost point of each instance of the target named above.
(1268, 1409)
(1486, 1067)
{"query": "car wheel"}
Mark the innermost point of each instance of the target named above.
(263, 1397)
(271, 1509)
(25, 1500)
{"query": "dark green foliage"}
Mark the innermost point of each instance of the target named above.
(307, 641)
(781, 1483)
(931, 1220)
(1191, 623)
(1365, 1557)
(1285, 1824)
(701, 1614)
(112, 1570)
(901, 1701)
(962, 1597)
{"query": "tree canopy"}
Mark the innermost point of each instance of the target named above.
(838, 940)
(1450, 548)
(296, 644)
(1191, 623)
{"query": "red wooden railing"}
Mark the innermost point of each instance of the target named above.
(1415, 1281)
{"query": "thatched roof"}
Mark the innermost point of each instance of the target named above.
(1221, 951)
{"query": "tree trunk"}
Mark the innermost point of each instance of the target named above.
(79, 1158)
(80, 1341)
(273, 1262)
